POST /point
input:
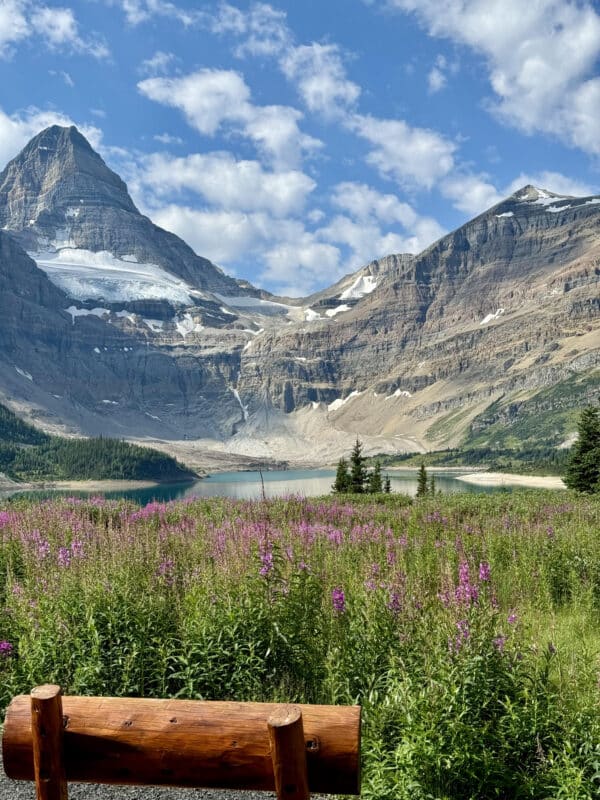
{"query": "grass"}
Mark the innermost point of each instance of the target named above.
(465, 625)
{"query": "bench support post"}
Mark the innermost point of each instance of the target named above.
(288, 753)
(47, 738)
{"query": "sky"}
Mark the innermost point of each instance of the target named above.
(293, 142)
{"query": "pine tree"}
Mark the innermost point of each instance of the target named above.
(358, 471)
(432, 486)
(583, 467)
(422, 487)
(387, 485)
(342, 477)
(375, 485)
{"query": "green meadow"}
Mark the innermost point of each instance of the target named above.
(466, 626)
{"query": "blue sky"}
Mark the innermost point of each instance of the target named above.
(292, 142)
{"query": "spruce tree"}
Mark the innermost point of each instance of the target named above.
(387, 485)
(583, 468)
(342, 477)
(358, 471)
(422, 485)
(375, 485)
(432, 486)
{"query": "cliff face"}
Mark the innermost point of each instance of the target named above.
(113, 325)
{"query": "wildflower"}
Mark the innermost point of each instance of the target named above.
(6, 649)
(499, 643)
(512, 618)
(267, 563)
(484, 571)
(395, 603)
(338, 598)
(64, 556)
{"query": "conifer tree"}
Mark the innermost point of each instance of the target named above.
(432, 486)
(387, 485)
(342, 477)
(358, 471)
(422, 485)
(375, 485)
(583, 468)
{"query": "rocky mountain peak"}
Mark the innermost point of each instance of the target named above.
(57, 171)
(532, 193)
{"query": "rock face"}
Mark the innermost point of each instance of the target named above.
(110, 324)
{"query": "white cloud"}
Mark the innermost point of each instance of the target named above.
(470, 193)
(138, 11)
(158, 64)
(320, 76)
(263, 28)
(436, 80)
(235, 185)
(167, 138)
(18, 129)
(13, 25)
(59, 28)
(411, 156)
(540, 57)
(212, 98)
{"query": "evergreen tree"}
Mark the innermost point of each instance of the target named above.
(342, 477)
(387, 485)
(422, 486)
(583, 467)
(358, 471)
(375, 485)
(432, 486)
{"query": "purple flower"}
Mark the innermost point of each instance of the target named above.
(64, 556)
(484, 571)
(338, 598)
(266, 560)
(6, 649)
(512, 618)
(499, 643)
(395, 603)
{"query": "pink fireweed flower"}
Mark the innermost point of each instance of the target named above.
(484, 571)
(64, 556)
(267, 563)
(338, 598)
(499, 643)
(6, 649)
(512, 618)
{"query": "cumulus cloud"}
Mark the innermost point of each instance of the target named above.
(158, 64)
(540, 58)
(237, 185)
(320, 76)
(411, 156)
(263, 29)
(210, 99)
(56, 27)
(139, 11)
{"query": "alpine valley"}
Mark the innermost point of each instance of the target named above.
(110, 325)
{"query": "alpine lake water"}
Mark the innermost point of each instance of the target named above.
(276, 483)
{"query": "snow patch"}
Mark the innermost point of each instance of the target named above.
(506, 214)
(186, 325)
(342, 402)
(491, 317)
(310, 315)
(85, 275)
(110, 402)
(399, 393)
(152, 416)
(97, 350)
(86, 312)
(253, 302)
(331, 312)
(363, 285)
(244, 408)
(24, 374)
(155, 325)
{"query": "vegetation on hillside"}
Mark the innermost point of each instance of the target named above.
(466, 626)
(27, 454)
(583, 468)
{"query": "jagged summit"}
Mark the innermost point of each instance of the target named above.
(532, 193)
(58, 170)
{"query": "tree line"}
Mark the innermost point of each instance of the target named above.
(354, 477)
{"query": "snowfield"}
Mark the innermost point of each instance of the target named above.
(85, 275)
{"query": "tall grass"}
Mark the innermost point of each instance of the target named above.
(467, 626)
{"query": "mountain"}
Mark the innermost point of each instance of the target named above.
(112, 325)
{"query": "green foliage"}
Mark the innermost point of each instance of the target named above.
(29, 454)
(583, 468)
(466, 627)
(341, 484)
(422, 482)
(358, 470)
(374, 482)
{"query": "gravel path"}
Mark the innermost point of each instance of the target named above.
(23, 790)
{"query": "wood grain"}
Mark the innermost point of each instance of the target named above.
(187, 743)
(288, 753)
(47, 743)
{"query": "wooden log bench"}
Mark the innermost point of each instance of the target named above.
(290, 749)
